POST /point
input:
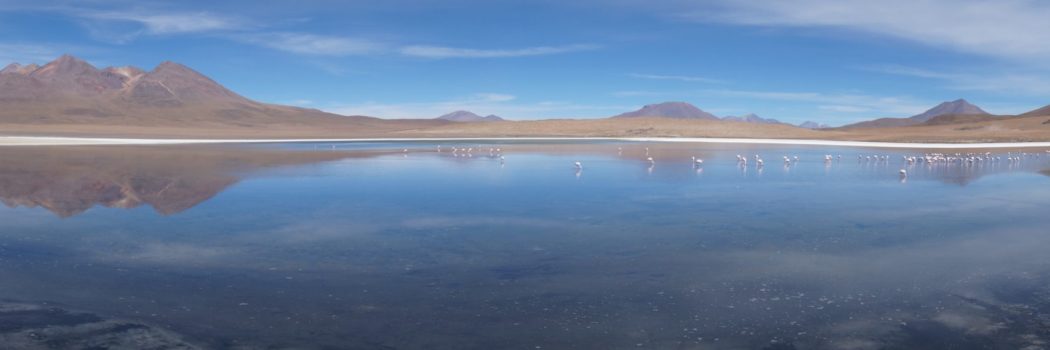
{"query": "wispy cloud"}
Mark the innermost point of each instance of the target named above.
(844, 109)
(427, 51)
(685, 78)
(1014, 29)
(494, 97)
(170, 23)
(1009, 83)
(27, 53)
(311, 44)
(124, 26)
(639, 93)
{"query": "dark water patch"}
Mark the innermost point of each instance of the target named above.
(47, 327)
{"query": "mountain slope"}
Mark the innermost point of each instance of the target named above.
(467, 116)
(1038, 112)
(70, 91)
(673, 110)
(957, 107)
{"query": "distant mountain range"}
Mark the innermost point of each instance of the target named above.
(813, 125)
(753, 118)
(467, 116)
(69, 90)
(958, 107)
(684, 110)
(70, 96)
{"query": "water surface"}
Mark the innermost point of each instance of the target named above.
(397, 245)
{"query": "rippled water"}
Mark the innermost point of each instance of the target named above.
(396, 245)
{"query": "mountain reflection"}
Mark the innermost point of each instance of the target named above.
(69, 181)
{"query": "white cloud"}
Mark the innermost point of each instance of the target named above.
(170, 23)
(638, 93)
(426, 51)
(843, 109)
(311, 44)
(1014, 29)
(27, 53)
(493, 97)
(1010, 83)
(675, 77)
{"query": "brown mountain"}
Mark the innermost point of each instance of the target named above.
(958, 107)
(673, 110)
(1044, 111)
(70, 91)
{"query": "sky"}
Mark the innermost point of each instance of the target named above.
(829, 61)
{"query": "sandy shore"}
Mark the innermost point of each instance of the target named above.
(84, 141)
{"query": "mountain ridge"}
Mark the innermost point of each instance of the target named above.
(464, 116)
(753, 118)
(70, 90)
(955, 107)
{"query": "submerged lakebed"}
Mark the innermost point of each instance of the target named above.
(399, 245)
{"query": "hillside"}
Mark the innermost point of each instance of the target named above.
(70, 96)
(957, 107)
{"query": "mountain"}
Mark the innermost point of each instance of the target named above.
(674, 110)
(70, 91)
(813, 125)
(1038, 112)
(19, 69)
(466, 116)
(957, 107)
(752, 118)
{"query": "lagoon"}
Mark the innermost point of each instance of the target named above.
(388, 245)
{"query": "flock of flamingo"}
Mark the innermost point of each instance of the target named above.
(963, 159)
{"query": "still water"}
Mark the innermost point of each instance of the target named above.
(399, 246)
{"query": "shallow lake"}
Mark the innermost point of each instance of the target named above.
(403, 246)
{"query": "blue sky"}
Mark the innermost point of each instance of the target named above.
(831, 61)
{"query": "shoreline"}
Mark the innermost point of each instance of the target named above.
(27, 141)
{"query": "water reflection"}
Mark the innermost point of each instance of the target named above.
(69, 181)
(370, 249)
